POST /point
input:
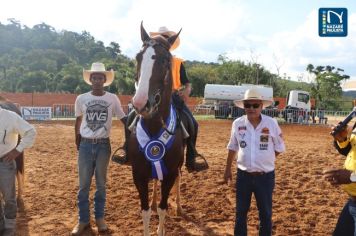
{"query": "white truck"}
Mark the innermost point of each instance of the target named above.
(222, 97)
(298, 104)
(298, 99)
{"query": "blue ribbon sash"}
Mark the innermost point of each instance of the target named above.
(154, 148)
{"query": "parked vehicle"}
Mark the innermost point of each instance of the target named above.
(297, 101)
(222, 97)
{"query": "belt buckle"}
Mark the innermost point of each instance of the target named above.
(95, 141)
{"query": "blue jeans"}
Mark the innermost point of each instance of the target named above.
(346, 223)
(191, 141)
(93, 159)
(262, 186)
(8, 191)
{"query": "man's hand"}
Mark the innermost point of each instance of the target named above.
(227, 176)
(10, 156)
(337, 176)
(78, 137)
(342, 135)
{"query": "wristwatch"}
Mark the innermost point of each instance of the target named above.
(353, 176)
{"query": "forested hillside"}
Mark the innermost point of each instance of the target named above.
(42, 59)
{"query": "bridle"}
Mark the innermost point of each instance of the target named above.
(154, 100)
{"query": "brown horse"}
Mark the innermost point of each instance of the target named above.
(5, 104)
(156, 147)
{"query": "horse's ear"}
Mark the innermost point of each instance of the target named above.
(173, 38)
(144, 35)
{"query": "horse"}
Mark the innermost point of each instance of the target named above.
(5, 104)
(156, 148)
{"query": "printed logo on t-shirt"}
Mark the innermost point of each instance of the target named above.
(241, 128)
(263, 146)
(243, 144)
(264, 138)
(97, 114)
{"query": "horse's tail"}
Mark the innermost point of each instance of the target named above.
(20, 169)
(20, 164)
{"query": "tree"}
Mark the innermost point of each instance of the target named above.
(326, 87)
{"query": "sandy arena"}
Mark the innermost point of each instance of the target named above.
(303, 204)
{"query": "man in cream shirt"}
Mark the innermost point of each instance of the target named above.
(11, 127)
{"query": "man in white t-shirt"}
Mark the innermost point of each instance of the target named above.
(257, 140)
(11, 126)
(94, 111)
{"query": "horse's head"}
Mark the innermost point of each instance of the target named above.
(154, 78)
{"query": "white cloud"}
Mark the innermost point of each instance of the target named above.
(304, 46)
(209, 28)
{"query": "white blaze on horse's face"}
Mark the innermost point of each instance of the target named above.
(141, 95)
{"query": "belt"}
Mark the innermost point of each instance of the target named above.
(95, 140)
(254, 174)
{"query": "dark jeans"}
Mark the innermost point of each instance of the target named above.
(346, 223)
(193, 131)
(262, 187)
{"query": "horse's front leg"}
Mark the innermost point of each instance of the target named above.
(154, 196)
(166, 187)
(142, 187)
(176, 187)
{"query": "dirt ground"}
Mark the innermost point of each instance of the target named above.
(303, 204)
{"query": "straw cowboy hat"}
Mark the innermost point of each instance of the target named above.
(98, 67)
(253, 94)
(165, 31)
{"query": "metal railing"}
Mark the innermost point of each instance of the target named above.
(288, 116)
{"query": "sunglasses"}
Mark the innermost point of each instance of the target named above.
(254, 106)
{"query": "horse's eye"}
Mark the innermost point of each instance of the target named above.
(153, 57)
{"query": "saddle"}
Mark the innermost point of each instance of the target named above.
(183, 120)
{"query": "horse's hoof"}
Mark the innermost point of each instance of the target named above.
(20, 204)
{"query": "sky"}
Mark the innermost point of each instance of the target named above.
(273, 33)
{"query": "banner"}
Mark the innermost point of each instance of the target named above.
(36, 113)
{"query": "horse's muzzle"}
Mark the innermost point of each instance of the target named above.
(151, 107)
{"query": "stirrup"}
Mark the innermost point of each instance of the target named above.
(195, 166)
(202, 164)
(119, 157)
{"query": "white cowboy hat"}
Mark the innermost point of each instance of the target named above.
(98, 67)
(253, 94)
(163, 30)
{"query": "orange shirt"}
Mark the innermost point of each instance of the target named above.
(176, 63)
